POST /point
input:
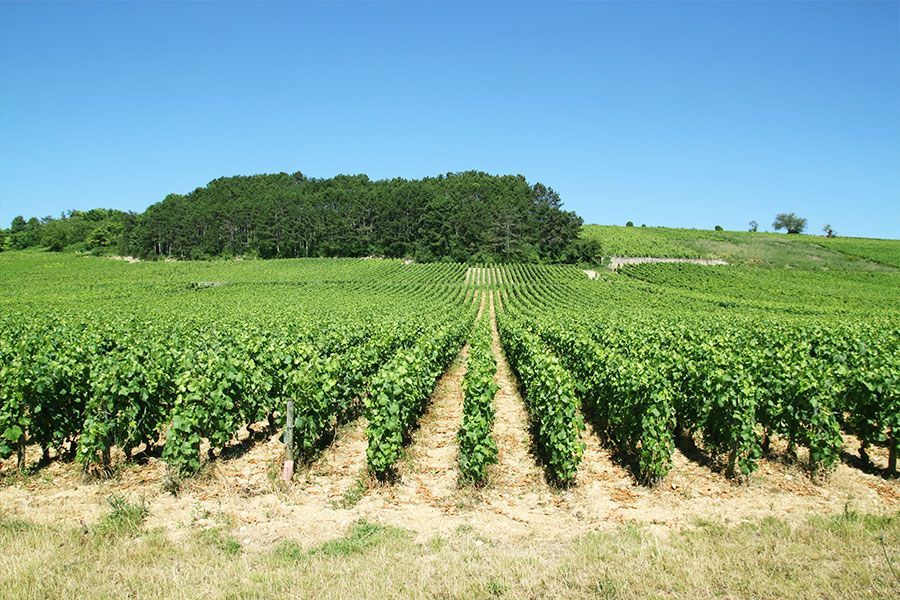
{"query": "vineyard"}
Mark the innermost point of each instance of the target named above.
(196, 361)
(97, 356)
(528, 401)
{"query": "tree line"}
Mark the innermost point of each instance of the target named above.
(465, 217)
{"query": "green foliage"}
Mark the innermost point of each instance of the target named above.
(53, 235)
(400, 390)
(98, 354)
(461, 217)
(477, 448)
(118, 355)
(27, 236)
(886, 252)
(628, 397)
(759, 250)
(106, 235)
(584, 251)
(132, 391)
(97, 229)
(327, 387)
(638, 241)
(795, 366)
(550, 398)
(715, 395)
(790, 222)
(788, 291)
(868, 373)
(43, 386)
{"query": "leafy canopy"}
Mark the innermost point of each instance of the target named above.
(789, 221)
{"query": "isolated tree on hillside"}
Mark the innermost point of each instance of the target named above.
(789, 221)
(829, 232)
(754, 226)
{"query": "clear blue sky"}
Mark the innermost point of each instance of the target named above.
(689, 114)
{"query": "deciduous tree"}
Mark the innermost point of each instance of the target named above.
(789, 221)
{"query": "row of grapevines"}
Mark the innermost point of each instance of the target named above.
(867, 371)
(400, 390)
(323, 385)
(647, 384)
(324, 381)
(549, 397)
(325, 388)
(628, 398)
(45, 383)
(477, 448)
(735, 381)
(221, 389)
(90, 381)
(495, 276)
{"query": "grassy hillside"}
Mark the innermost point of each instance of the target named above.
(766, 250)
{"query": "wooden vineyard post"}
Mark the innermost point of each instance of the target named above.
(892, 456)
(20, 450)
(288, 471)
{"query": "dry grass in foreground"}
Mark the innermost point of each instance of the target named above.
(843, 556)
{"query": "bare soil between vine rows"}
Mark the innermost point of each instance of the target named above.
(334, 491)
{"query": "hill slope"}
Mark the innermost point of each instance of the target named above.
(766, 250)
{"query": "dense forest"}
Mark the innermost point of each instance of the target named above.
(469, 216)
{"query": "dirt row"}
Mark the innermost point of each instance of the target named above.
(245, 494)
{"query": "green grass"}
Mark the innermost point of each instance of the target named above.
(125, 517)
(353, 494)
(220, 539)
(823, 557)
(362, 536)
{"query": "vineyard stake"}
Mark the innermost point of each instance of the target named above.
(892, 456)
(288, 471)
(20, 450)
